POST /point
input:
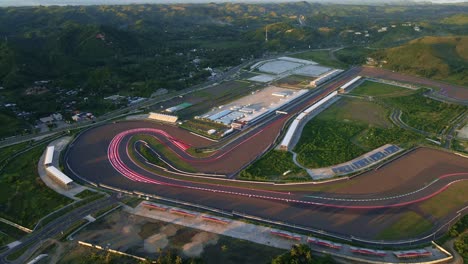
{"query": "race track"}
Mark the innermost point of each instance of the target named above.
(361, 207)
(100, 155)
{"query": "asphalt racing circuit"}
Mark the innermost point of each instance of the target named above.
(360, 207)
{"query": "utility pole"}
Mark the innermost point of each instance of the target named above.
(266, 33)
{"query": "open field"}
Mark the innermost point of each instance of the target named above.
(369, 88)
(350, 110)
(294, 82)
(410, 224)
(23, 196)
(271, 167)
(320, 56)
(9, 151)
(202, 126)
(448, 90)
(346, 130)
(208, 98)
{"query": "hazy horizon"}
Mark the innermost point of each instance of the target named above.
(123, 2)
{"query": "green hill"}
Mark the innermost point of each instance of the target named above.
(459, 19)
(442, 58)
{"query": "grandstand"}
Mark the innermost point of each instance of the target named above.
(350, 83)
(325, 77)
(59, 177)
(163, 117)
(366, 160)
(49, 156)
(295, 124)
(178, 107)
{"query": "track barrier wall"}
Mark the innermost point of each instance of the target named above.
(110, 250)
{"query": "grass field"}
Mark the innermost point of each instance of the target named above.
(409, 225)
(271, 168)
(85, 194)
(24, 198)
(295, 82)
(451, 199)
(424, 113)
(369, 88)
(7, 152)
(346, 130)
(350, 110)
(202, 126)
(165, 152)
(9, 234)
(320, 56)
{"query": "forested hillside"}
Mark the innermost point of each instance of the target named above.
(85, 53)
(443, 58)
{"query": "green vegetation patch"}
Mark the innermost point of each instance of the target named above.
(15, 126)
(369, 88)
(149, 155)
(453, 198)
(9, 151)
(442, 58)
(324, 143)
(85, 194)
(424, 113)
(460, 145)
(461, 246)
(410, 224)
(320, 56)
(346, 130)
(202, 127)
(301, 253)
(350, 110)
(272, 166)
(354, 55)
(24, 198)
(458, 19)
(165, 152)
(233, 251)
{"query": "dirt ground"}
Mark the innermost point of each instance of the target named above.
(145, 237)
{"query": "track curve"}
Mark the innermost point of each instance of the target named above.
(119, 145)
